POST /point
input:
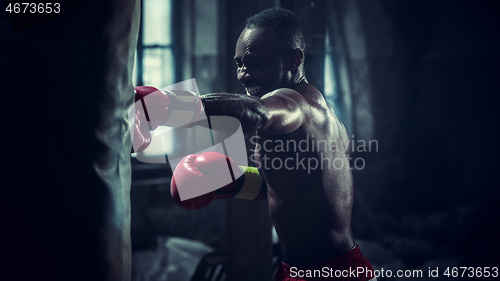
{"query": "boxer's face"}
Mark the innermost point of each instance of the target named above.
(260, 66)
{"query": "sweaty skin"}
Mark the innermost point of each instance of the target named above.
(310, 207)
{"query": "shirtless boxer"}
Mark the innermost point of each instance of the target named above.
(310, 207)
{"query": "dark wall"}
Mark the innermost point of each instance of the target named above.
(433, 68)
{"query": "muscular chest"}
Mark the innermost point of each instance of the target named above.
(281, 159)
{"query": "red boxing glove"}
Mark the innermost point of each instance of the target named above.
(151, 109)
(237, 181)
(189, 176)
(222, 169)
(154, 107)
(153, 103)
(209, 171)
(200, 173)
(141, 135)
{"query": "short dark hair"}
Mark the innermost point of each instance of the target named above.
(286, 24)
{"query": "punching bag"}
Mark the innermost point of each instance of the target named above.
(65, 144)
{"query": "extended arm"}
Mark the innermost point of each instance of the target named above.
(277, 112)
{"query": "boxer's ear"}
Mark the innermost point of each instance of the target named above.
(293, 59)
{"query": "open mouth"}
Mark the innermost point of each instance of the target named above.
(253, 90)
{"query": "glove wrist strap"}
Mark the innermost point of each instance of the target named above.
(253, 187)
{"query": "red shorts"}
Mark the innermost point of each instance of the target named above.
(351, 265)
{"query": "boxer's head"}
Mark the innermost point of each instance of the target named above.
(269, 51)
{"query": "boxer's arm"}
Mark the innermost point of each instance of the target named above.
(277, 112)
(284, 113)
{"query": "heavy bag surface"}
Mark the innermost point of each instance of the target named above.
(64, 197)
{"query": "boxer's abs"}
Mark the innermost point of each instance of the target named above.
(310, 205)
(312, 223)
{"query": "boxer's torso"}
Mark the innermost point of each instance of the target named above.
(310, 188)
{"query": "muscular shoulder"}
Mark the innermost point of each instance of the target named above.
(284, 110)
(300, 107)
(303, 94)
(321, 116)
(313, 103)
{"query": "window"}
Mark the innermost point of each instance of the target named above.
(337, 85)
(330, 91)
(154, 60)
